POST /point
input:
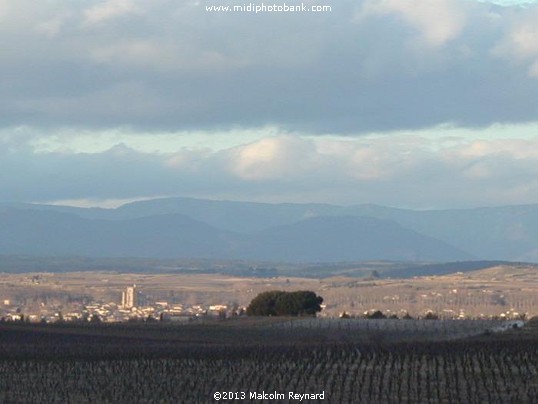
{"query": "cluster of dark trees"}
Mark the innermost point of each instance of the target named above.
(280, 303)
(378, 315)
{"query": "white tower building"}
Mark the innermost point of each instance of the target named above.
(128, 298)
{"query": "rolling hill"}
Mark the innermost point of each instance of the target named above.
(318, 239)
(236, 229)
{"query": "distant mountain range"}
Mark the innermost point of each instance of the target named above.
(194, 228)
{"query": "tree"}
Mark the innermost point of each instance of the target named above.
(376, 315)
(280, 303)
(431, 316)
(95, 319)
(264, 304)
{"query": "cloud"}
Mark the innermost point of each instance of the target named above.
(437, 21)
(281, 158)
(109, 9)
(160, 57)
(520, 40)
(169, 66)
(397, 170)
(122, 99)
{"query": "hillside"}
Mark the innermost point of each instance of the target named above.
(507, 233)
(346, 238)
(322, 239)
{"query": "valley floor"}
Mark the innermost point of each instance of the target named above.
(505, 291)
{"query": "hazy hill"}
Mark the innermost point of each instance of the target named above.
(495, 233)
(349, 238)
(234, 216)
(330, 239)
(54, 234)
(502, 233)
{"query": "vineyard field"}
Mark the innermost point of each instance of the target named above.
(80, 367)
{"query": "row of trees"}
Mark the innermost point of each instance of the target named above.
(280, 303)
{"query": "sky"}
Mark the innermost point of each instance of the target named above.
(422, 104)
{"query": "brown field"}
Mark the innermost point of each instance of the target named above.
(509, 290)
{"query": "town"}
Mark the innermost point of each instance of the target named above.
(133, 305)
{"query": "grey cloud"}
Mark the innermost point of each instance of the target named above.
(160, 65)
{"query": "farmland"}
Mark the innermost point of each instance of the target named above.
(506, 290)
(143, 363)
(478, 357)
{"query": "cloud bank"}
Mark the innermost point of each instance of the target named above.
(364, 66)
(399, 170)
(124, 99)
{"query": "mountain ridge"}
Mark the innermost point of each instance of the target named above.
(508, 232)
(172, 235)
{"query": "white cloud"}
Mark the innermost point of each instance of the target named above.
(281, 158)
(108, 10)
(90, 203)
(188, 160)
(520, 39)
(517, 148)
(51, 27)
(438, 21)
(524, 39)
